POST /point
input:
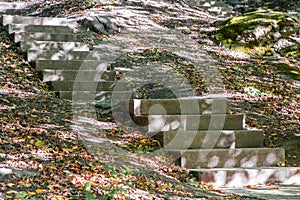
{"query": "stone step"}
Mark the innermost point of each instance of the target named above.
(48, 45)
(157, 123)
(17, 28)
(62, 55)
(89, 64)
(69, 64)
(15, 19)
(180, 106)
(86, 86)
(88, 95)
(228, 158)
(55, 37)
(101, 95)
(212, 139)
(11, 5)
(71, 75)
(13, 11)
(239, 177)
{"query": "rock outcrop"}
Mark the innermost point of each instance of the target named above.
(262, 33)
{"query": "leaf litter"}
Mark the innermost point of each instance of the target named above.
(43, 158)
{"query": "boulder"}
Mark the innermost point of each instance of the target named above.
(98, 24)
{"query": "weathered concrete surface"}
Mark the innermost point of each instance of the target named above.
(17, 28)
(195, 122)
(270, 191)
(69, 64)
(71, 75)
(86, 86)
(228, 158)
(54, 37)
(213, 139)
(237, 177)
(15, 19)
(11, 7)
(88, 95)
(48, 45)
(180, 106)
(62, 55)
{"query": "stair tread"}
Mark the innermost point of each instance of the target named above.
(246, 168)
(210, 150)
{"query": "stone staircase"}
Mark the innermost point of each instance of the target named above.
(197, 131)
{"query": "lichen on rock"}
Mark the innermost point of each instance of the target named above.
(262, 33)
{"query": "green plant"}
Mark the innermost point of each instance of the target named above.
(87, 190)
(111, 193)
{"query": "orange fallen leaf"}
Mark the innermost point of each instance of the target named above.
(38, 191)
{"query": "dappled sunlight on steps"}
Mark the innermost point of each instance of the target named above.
(237, 177)
(197, 131)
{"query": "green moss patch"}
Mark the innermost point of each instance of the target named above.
(262, 33)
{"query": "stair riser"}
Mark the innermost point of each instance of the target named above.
(69, 65)
(11, 5)
(65, 46)
(157, 123)
(224, 158)
(178, 106)
(212, 139)
(18, 28)
(87, 95)
(17, 37)
(245, 177)
(14, 19)
(62, 55)
(64, 75)
(86, 86)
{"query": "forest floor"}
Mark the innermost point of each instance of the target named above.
(41, 157)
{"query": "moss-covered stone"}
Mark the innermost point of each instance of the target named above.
(262, 33)
(288, 71)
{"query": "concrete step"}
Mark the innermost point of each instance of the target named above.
(69, 64)
(228, 158)
(93, 62)
(88, 95)
(212, 139)
(85, 86)
(180, 106)
(48, 45)
(13, 11)
(17, 28)
(71, 75)
(55, 37)
(11, 5)
(157, 123)
(239, 177)
(62, 55)
(15, 19)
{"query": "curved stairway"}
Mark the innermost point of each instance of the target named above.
(197, 131)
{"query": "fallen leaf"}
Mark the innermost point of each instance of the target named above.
(39, 143)
(38, 191)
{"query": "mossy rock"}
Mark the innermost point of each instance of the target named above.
(261, 33)
(288, 71)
